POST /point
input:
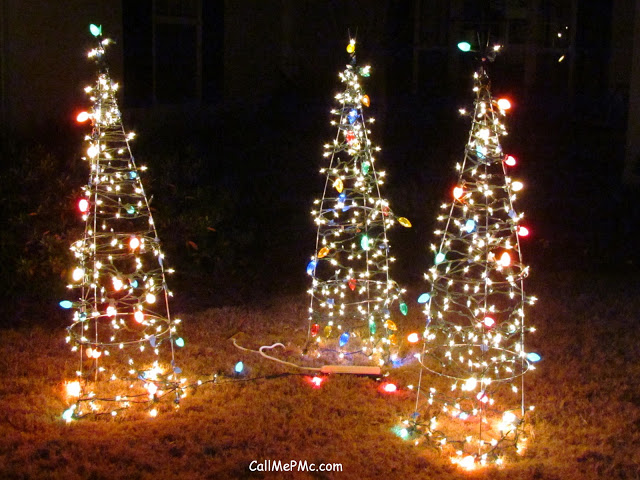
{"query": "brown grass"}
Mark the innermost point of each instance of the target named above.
(586, 391)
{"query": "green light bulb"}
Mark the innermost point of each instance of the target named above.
(364, 242)
(96, 30)
(464, 46)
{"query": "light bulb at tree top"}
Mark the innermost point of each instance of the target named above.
(96, 30)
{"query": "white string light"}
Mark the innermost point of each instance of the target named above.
(122, 328)
(352, 292)
(470, 396)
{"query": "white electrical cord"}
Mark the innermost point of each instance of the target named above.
(349, 369)
(269, 347)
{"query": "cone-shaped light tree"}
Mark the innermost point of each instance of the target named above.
(122, 329)
(352, 293)
(470, 399)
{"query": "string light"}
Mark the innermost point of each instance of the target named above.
(124, 343)
(471, 405)
(352, 294)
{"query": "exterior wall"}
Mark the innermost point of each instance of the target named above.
(631, 175)
(43, 58)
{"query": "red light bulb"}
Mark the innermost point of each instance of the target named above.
(83, 205)
(82, 117)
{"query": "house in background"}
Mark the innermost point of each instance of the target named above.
(167, 56)
(43, 65)
(180, 59)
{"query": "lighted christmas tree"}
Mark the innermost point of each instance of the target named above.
(470, 399)
(352, 292)
(122, 329)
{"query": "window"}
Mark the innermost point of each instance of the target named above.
(172, 51)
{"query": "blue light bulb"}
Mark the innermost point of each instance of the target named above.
(424, 298)
(533, 357)
(311, 267)
(470, 226)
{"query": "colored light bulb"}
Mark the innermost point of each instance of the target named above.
(470, 226)
(404, 222)
(413, 338)
(66, 304)
(82, 117)
(134, 243)
(365, 244)
(389, 387)
(83, 205)
(424, 298)
(504, 104)
(311, 267)
(533, 357)
(315, 329)
(505, 259)
(78, 274)
(488, 322)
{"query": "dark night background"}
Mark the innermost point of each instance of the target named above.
(234, 143)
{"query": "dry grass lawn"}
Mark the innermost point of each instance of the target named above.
(586, 391)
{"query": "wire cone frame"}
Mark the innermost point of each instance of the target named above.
(122, 328)
(352, 294)
(470, 399)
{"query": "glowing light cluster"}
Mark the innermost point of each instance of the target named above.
(124, 339)
(470, 400)
(352, 292)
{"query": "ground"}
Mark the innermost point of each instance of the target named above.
(586, 391)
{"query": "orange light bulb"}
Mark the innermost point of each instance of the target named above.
(504, 104)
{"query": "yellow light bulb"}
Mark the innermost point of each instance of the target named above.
(78, 274)
(73, 388)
